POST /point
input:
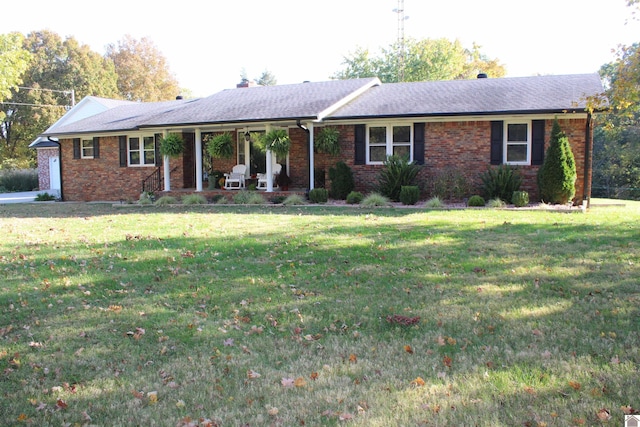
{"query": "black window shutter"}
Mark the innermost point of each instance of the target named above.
(418, 143)
(360, 144)
(156, 138)
(497, 141)
(96, 147)
(76, 148)
(122, 142)
(537, 142)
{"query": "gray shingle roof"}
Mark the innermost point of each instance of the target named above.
(309, 101)
(475, 97)
(261, 103)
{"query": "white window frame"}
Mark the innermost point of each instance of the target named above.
(507, 143)
(87, 144)
(141, 151)
(389, 143)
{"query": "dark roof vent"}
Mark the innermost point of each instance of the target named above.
(179, 97)
(482, 76)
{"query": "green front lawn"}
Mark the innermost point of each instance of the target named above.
(235, 315)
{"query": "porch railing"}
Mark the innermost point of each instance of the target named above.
(153, 182)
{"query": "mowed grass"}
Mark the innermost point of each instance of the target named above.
(317, 316)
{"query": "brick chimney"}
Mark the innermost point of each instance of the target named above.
(246, 83)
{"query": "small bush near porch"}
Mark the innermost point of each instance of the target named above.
(211, 315)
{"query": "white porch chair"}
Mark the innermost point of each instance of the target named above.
(235, 179)
(262, 177)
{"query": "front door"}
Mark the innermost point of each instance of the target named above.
(54, 173)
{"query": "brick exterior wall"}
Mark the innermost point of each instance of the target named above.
(463, 145)
(103, 179)
(44, 176)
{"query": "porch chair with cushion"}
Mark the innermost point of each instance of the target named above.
(235, 179)
(262, 177)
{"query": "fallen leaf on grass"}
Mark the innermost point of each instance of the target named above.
(287, 382)
(408, 349)
(418, 382)
(353, 358)
(603, 414)
(300, 382)
(153, 397)
(345, 417)
(61, 404)
(447, 361)
(575, 385)
(314, 376)
(251, 374)
(628, 410)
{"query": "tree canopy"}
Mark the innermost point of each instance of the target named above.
(14, 60)
(420, 60)
(55, 68)
(616, 153)
(143, 73)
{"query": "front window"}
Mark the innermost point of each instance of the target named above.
(142, 151)
(517, 143)
(387, 140)
(86, 149)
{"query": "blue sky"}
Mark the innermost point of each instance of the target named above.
(208, 44)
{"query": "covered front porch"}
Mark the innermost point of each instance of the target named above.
(197, 171)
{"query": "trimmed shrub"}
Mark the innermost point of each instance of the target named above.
(409, 194)
(166, 200)
(434, 202)
(520, 198)
(319, 195)
(44, 197)
(557, 175)
(248, 198)
(375, 199)
(500, 182)
(294, 199)
(194, 199)
(496, 203)
(354, 198)
(276, 200)
(19, 180)
(397, 171)
(476, 201)
(342, 183)
(451, 184)
(146, 198)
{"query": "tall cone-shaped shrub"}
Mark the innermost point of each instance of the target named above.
(557, 175)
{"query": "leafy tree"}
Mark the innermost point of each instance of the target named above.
(427, 59)
(55, 68)
(616, 162)
(143, 73)
(616, 152)
(267, 79)
(14, 61)
(557, 175)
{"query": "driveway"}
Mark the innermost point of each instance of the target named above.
(24, 197)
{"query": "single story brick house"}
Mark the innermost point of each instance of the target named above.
(469, 125)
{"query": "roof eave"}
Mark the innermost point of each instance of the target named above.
(460, 114)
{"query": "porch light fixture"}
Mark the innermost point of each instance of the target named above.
(247, 136)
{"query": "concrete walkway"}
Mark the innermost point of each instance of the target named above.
(24, 197)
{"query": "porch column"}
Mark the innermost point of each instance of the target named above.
(198, 160)
(167, 169)
(311, 159)
(269, 171)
